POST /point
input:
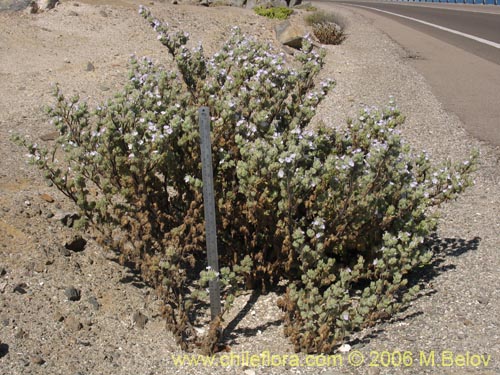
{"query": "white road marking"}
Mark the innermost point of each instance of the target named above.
(476, 38)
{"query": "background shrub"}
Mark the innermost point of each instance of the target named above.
(339, 216)
(280, 13)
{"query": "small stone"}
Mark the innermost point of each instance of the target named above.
(466, 322)
(37, 360)
(64, 252)
(103, 13)
(5, 322)
(21, 334)
(104, 88)
(2, 271)
(49, 215)
(66, 218)
(94, 303)
(90, 67)
(72, 13)
(24, 362)
(139, 319)
(72, 324)
(345, 348)
(373, 371)
(39, 268)
(2, 287)
(49, 137)
(249, 372)
(175, 2)
(58, 317)
(83, 342)
(20, 288)
(483, 300)
(67, 61)
(47, 198)
(73, 294)
(77, 244)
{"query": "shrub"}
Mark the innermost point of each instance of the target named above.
(280, 13)
(339, 215)
(329, 28)
(324, 17)
(328, 33)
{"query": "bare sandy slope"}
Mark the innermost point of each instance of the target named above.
(42, 332)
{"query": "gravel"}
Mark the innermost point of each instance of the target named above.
(117, 327)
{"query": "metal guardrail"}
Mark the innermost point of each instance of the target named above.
(476, 2)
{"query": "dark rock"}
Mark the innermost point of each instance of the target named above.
(139, 319)
(4, 349)
(103, 13)
(77, 244)
(20, 288)
(90, 67)
(73, 294)
(3, 271)
(72, 13)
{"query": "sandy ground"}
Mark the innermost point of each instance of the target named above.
(43, 332)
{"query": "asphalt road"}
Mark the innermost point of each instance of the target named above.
(464, 73)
